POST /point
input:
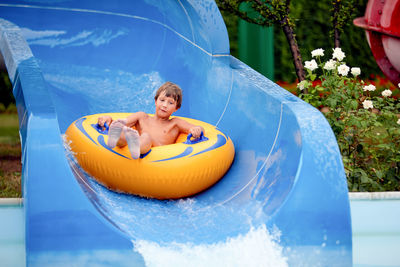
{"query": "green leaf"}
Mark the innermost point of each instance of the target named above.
(379, 174)
(354, 104)
(359, 148)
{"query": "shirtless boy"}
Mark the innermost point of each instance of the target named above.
(151, 131)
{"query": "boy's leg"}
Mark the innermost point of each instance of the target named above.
(133, 140)
(114, 133)
(137, 144)
(145, 143)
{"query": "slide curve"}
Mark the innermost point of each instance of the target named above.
(283, 202)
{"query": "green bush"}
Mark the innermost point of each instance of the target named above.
(365, 121)
(11, 109)
(2, 108)
(313, 27)
(5, 90)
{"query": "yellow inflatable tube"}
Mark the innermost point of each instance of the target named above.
(166, 172)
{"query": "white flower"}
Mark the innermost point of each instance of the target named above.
(355, 71)
(301, 85)
(317, 52)
(398, 121)
(338, 54)
(330, 65)
(367, 104)
(343, 70)
(398, 85)
(387, 93)
(311, 65)
(370, 87)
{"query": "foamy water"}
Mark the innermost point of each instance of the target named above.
(256, 248)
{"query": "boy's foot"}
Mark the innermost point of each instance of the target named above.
(114, 133)
(132, 138)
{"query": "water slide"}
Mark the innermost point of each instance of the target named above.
(283, 202)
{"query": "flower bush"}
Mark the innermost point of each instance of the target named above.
(365, 121)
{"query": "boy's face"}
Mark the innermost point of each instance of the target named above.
(165, 106)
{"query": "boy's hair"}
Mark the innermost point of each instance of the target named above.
(171, 90)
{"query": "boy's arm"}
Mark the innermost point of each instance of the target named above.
(186, 127)
(132, 119)
(129, 121)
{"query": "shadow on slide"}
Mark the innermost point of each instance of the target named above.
(282, 203)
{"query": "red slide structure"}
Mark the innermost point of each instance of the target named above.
(382, 26)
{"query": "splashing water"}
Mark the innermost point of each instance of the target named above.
(256, 248)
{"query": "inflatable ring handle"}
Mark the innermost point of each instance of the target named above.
(189, 140)
(98, 128)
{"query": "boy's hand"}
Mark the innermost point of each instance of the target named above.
(103, 120)
(196, 131)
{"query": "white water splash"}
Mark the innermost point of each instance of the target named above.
(256, 248)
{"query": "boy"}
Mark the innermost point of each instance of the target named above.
(151, 131)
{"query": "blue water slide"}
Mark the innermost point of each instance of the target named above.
(282, 203)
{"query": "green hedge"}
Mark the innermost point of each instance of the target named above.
(6, 95)
(313, 26)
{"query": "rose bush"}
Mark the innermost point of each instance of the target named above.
(366, 121)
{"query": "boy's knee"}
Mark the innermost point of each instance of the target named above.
(145, 143)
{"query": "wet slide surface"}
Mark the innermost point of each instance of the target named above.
(282, 203)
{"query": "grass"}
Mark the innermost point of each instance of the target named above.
(10, 184)
(10, 157)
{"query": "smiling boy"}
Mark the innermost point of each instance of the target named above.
(151, 131)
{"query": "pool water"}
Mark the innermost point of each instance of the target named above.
(376, 229)
(375, 222)
(12, 233)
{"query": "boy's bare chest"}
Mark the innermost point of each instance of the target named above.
(161, 133)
